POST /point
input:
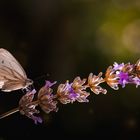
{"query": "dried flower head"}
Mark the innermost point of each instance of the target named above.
(70, 92)
(94, 81)
(28, 108)
(63, 93)
(111, 78)
(46, 98)
(80, 89)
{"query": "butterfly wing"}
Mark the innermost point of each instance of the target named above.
(8, 60)
(12, 75)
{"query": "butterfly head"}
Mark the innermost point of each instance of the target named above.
(29, 82)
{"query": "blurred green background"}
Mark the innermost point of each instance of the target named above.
(62, 39)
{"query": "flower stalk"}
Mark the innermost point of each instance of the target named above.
(8, 113)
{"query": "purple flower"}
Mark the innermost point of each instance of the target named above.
(28, 108)
(70, 92)
(80, 89)
(48, 84)
(73, 96)
(118, 66)
(66, 94)
(123, 78)
(46, 98)
(36, 119)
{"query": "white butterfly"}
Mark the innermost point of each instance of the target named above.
(12, 75)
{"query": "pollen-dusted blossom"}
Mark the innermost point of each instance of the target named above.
(46, 99)
(28, 108)
(111, 78)
(94, 81)
(70, 92)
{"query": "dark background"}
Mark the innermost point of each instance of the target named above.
(62, 39)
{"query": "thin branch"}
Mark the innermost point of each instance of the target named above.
(8, 113)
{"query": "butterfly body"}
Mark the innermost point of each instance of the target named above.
(12, 75)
